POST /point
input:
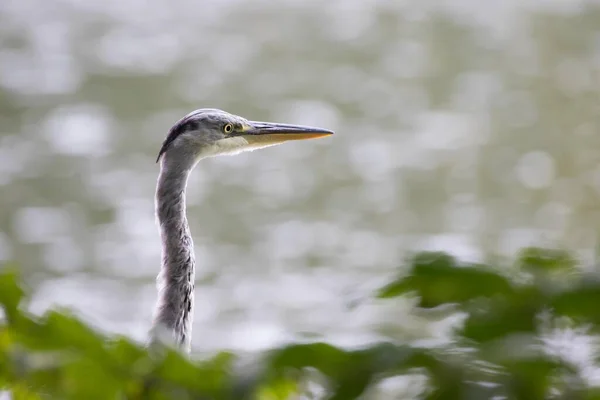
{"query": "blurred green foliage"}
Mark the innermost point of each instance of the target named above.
(498, 350)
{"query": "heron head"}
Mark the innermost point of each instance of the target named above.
(210, 132)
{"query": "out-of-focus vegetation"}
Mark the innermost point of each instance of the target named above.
(501, 349)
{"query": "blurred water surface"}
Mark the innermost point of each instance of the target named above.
(465, 126)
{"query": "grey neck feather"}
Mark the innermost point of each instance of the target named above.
(174, 310)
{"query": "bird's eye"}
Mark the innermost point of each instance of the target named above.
(228, 128)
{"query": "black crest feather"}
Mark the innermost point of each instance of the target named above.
(185, 124)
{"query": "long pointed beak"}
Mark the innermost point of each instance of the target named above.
(277, 133)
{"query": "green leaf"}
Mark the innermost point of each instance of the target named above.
(506, 315)
(209, 379)
(447, 379)
(126, 353)
(22, 392)
(531, 378)
(11, 292)
(278, 389)
(580, 303)
(437, 279)
(67, 332)
(326, 358)
(87, 379)
(586, 393)
(536, 259)
(350, 371)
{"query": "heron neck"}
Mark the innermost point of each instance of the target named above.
(174, 311)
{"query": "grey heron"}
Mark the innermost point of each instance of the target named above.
(200, 134)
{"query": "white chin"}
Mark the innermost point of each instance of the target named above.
(232, 146)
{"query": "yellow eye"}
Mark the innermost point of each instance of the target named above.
(228, 128)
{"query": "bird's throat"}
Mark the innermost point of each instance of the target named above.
(174, 310)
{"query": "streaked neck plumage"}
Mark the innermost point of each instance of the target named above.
(174, 311)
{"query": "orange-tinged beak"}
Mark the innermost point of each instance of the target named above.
(270, 132)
